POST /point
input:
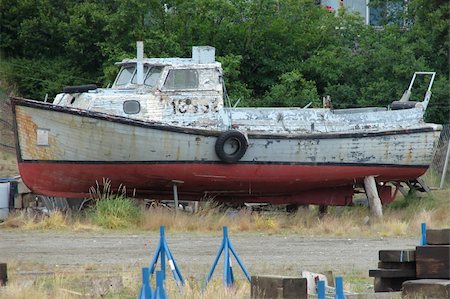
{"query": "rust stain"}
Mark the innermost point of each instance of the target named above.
(27, 129)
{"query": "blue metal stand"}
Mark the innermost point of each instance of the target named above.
(226, 247)
(160, 253)
(160, 292)
(339, 288)
(321, 289)
(146, 291)
(423, 237)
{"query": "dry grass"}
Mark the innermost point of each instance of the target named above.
(8, 163)
(77, 284)
(403, 218)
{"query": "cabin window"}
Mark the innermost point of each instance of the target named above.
(153, 76)
(131, 107)
(181, 79)
(134, 80)
(125, 75)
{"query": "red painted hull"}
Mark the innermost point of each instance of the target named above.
(236, 182)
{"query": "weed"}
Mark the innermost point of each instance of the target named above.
(116, 213)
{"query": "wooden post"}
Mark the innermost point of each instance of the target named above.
(175, 193)
(372, 194)
(3, 274)
(444, 170)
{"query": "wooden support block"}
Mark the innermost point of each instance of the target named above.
(433, 261)
(394, 265)
(393, 273)
(401, 256)
(386, 295)
(426, 288)
(388, 284)
(438, 236)
(278, 287)
(3, 274)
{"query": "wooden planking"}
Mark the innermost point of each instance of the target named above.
(433, 261)
(438, 236)
(394, 265)
(278, 287)
(393, 273)
(385, 295)
(426, 288)
(407, 255)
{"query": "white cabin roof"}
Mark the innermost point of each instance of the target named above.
(169, 61)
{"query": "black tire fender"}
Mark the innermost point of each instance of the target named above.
(231, 146)
(80, 88)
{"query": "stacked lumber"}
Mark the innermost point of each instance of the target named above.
(432, 267)
(394, 268)
(278, 287)
(433, 259)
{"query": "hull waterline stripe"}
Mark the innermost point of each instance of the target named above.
(220, 163)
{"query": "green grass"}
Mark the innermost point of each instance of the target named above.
(116, 213)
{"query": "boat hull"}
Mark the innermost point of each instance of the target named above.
(63, 152)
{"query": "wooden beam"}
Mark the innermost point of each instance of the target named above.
(426, 288)
(438, 236)
(278, 287)
(393, 273)
(407, 255)
(432, 261)
(370, 186)
(3, 274)
(397, 265)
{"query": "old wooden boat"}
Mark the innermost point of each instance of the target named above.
(164, 122)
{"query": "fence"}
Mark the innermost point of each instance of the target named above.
(434, 174)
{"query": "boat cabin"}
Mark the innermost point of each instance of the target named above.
(177, 90)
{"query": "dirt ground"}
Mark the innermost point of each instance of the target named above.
(261, 253)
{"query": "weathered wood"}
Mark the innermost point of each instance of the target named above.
(426, 288)
(438, 236)
(372, 194)
(386, 295)
(393, 273)
(407, 255)
(278, 287)
(3, 274)
(394, 265)
(388, 284)
(433, 261)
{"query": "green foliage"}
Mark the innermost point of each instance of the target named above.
(292, 91)
(413, 203)
(116, 212)
(236, 89)
(274, 52)
(36, 77)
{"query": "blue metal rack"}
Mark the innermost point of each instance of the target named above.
(226, 247)
(146, 290)
(161, 253)
(423, 236)
(160, 292)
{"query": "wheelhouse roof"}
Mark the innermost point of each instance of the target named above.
(169, 61)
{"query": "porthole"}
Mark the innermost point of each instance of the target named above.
(131, 107)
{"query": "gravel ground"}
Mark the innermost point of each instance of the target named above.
(261, 253)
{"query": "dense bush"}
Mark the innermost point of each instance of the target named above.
(274, 52)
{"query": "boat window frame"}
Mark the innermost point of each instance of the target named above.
(123, 68)
(166, 77)
(131, 101)
(161, 73)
